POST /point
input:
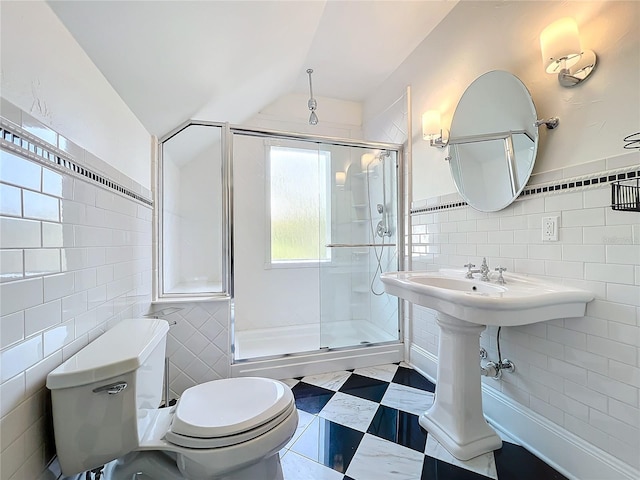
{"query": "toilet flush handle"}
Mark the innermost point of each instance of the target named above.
(112, 388)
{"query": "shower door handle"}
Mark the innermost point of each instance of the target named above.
(347, 245)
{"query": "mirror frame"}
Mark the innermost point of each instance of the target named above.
(482, 118)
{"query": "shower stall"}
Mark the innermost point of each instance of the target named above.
(315, 222)
(294, 231)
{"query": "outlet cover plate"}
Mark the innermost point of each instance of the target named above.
(550, 229)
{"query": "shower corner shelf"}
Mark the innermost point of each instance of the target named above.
(625, 195)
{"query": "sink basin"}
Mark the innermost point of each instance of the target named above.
(520, 301)
(468, 286)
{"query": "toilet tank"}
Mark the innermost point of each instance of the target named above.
(97, 393)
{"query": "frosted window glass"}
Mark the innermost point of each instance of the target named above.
(298, 200)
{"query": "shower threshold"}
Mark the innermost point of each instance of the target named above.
(320, 361)
(267, 342)
(293, 351)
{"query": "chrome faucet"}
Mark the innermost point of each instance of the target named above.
(483, 271)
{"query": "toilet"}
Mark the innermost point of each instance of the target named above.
(105, 403)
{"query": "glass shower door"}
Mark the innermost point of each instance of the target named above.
(354, 310)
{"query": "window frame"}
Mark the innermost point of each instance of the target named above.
(269, 263)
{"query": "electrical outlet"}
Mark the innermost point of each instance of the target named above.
(549, 229)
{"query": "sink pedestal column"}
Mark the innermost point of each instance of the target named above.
(456, 419)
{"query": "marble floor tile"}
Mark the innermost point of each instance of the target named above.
(365, 387)
(292, 382)
(411, 378)
(513, 461)
(434, 469)
(297, 467)
(311, 398)
(407, 399)
(351, 411)
(380, 459)
(304, 419)
(398, 427)
(328, 443)
(482, 464)
(381, 372)
(331, 381)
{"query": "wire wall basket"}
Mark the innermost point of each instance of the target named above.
(625, 195)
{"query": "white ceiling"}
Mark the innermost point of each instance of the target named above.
(225, 60)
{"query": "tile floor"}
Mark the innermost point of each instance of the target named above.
(363, 425)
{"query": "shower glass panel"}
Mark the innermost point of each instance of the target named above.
(192, 230)
(354, 310)
(296, 288)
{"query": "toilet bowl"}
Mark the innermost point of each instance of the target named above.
(105, 398)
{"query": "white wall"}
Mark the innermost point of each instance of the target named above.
(48, 75)
(579, 376)
(75, 259)
(71, 270)
(477, 37)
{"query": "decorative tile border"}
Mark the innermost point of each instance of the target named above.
(562, 186)
(13, 138)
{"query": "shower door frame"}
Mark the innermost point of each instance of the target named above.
(400, 236)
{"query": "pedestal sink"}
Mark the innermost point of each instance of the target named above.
(465, 307)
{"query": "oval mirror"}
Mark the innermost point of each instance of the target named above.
(493, 141)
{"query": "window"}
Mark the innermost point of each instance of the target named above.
(298, 202)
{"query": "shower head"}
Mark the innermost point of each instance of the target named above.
(380, 208)
(312, 104)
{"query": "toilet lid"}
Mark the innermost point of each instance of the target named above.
(229, 406)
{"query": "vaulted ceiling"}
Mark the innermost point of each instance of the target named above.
(225, 60)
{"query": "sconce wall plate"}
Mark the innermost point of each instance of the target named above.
(441, 141)
(578, 73)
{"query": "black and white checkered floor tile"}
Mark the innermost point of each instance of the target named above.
(363, 425)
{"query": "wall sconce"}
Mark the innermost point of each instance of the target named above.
(563, 54)
(432, 131)
(366, 159)
(340, 178)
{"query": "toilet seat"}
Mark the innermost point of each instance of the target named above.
(229, 411)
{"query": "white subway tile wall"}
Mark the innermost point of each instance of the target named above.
(582, 374)
(75, 258)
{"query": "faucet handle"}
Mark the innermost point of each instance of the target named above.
(469, 266)
(500, 279)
